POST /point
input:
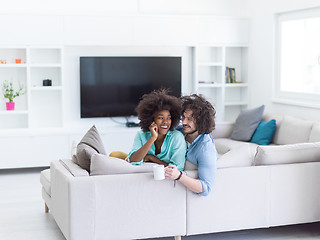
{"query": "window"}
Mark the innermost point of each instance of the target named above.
(297, 79)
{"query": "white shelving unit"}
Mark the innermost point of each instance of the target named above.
(40, 106)
(210, 63)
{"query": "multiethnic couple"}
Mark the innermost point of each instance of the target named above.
(160, 142)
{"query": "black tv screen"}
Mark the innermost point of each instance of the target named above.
(113, 86)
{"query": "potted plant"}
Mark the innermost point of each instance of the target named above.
(10, 93)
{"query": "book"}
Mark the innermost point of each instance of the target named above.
(230, 75)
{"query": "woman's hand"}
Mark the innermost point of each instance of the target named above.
(171, 172)
(154, 130)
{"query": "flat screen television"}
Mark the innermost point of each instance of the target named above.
(113, 86)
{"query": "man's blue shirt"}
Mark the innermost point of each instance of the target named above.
(202, 152)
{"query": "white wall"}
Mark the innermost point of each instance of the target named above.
(261, 56)
(103, 7)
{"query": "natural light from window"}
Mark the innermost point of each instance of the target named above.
(300, 56)
(298, 75)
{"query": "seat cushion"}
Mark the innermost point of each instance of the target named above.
(45, 180)
(237, 157)
(224, 145)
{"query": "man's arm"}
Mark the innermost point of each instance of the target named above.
(194, 185)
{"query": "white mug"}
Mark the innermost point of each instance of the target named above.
(158, 172)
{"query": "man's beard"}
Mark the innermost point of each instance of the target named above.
(190, 133)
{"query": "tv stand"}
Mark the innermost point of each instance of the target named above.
(132, 124)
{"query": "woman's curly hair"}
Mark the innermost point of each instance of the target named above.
(202, 112)
(156, 101)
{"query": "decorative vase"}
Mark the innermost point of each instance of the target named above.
(10, 106)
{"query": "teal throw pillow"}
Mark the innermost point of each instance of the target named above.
(264, 132)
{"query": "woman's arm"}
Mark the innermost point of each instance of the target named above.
(138, 155)
(154, 159)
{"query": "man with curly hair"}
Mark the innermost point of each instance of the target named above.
(158, 142)
(198, 122)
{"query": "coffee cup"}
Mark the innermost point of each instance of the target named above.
(158, 172)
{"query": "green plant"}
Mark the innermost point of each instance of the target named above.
(9, 92)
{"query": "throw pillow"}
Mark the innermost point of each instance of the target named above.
(90, 144)
(246, 123)
(264, 132)
(286, 154)
(104, 165)
(293, 130)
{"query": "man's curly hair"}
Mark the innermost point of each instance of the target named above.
(202, 112)
(156, 101)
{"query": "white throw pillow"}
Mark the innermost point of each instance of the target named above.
(237, 157)
(286, 154)
(315, 132)
(104, 165)
(293, 130)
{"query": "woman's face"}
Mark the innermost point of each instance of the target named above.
(163, 121)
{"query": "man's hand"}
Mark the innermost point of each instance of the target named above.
(172, 172)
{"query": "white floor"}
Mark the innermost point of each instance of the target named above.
(22, 215)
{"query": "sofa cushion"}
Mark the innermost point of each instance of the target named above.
(224, 145)
(45, 180)
(90, 144)
(315, 133)
(246, 123)
(73, 168)
(103, 165)
(294, 130)
(263, 135)
(237, 157)
(285, 154)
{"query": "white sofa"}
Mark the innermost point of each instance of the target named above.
(134, 206)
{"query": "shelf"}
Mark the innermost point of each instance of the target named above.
(14, 112)
(45, 65)
(230, 85)
(13, 65)
(46, 88)
(209, 85)
(40, 106)
(210, 63)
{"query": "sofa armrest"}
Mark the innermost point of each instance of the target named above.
(222, 130)
(121, 206)
(73, 203)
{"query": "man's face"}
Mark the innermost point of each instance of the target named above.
(188, 122)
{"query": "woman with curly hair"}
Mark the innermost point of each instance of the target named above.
(198, 122)
(158, 142)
